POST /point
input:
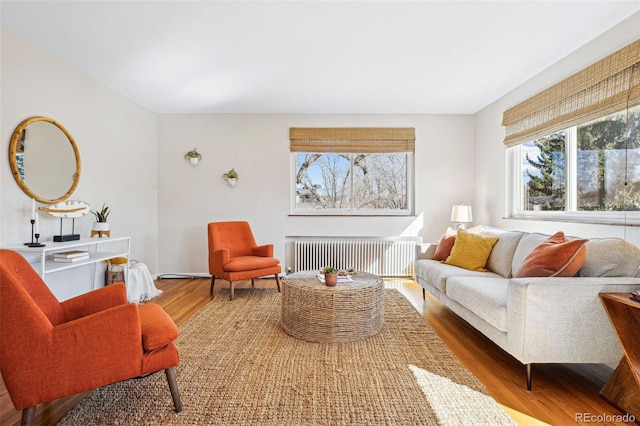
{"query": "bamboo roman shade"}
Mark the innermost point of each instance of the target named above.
(353, 139)
(610, 85)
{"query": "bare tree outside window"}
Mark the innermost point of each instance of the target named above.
(380, 182)
(351, 182)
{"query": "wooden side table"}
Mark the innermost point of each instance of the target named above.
(623, 387)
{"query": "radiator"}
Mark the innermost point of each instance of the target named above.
(384, 257)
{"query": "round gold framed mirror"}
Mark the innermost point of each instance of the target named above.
(44, 159)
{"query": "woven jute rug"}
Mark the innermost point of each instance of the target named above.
(237, 367)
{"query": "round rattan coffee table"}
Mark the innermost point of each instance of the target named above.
(349, 311)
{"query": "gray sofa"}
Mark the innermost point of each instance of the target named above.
(537, 320)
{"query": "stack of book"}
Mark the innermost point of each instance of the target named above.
(70, 256)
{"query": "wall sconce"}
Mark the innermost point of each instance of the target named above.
(231, 177)
(461, 215)
(193, 157)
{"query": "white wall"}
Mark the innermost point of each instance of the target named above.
(117, 140)
(257, 146)
(490, 162)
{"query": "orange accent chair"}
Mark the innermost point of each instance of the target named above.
(234, 254)
(51, 349)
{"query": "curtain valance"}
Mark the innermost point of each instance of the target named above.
(352, 139)
(607, 86)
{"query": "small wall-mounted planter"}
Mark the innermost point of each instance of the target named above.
(231, 177)
(193, 157)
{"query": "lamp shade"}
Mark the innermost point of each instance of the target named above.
(461, 214)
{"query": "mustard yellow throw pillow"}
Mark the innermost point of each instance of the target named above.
(471, 251)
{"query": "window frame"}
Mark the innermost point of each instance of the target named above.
(409, 211)
(515, 196)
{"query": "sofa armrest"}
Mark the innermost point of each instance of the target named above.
(425, 250)
(561, 319)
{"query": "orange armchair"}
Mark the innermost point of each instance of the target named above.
(49, 350)
(234, 254)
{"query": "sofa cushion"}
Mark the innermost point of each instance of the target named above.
(471, 251)
(554, 257)
(501, 256)
(436, 273)
(610, 257)
(250, 263)
(486, 296)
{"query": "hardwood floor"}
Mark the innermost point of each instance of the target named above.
(560, 392)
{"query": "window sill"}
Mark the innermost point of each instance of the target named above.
(352, 214)
(631, 219)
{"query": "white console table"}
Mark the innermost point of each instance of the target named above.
(100, 249)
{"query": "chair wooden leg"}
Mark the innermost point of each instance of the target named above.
(173, 387)
(253, 284)
(278, 282)
(231, 290)
(528, 377)
(213, 281)
(423, 294)
(28, 416)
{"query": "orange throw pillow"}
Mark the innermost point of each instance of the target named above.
(555, 257)
(443, 250)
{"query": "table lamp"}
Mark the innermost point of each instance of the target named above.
(461, 215)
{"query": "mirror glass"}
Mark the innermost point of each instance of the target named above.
(44, 159)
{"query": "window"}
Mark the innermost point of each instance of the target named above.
(352, 171)
(583, 170)
(574, 148)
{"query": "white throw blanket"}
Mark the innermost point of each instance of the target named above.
(140, 285)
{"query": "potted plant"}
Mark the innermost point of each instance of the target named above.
(230, 177)
(193, 157)
(330, 276)
(101, 215)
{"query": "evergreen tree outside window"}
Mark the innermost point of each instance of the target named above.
(545, 173)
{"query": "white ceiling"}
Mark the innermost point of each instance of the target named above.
(312, 56)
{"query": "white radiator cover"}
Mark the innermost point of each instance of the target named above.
(387, 257)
